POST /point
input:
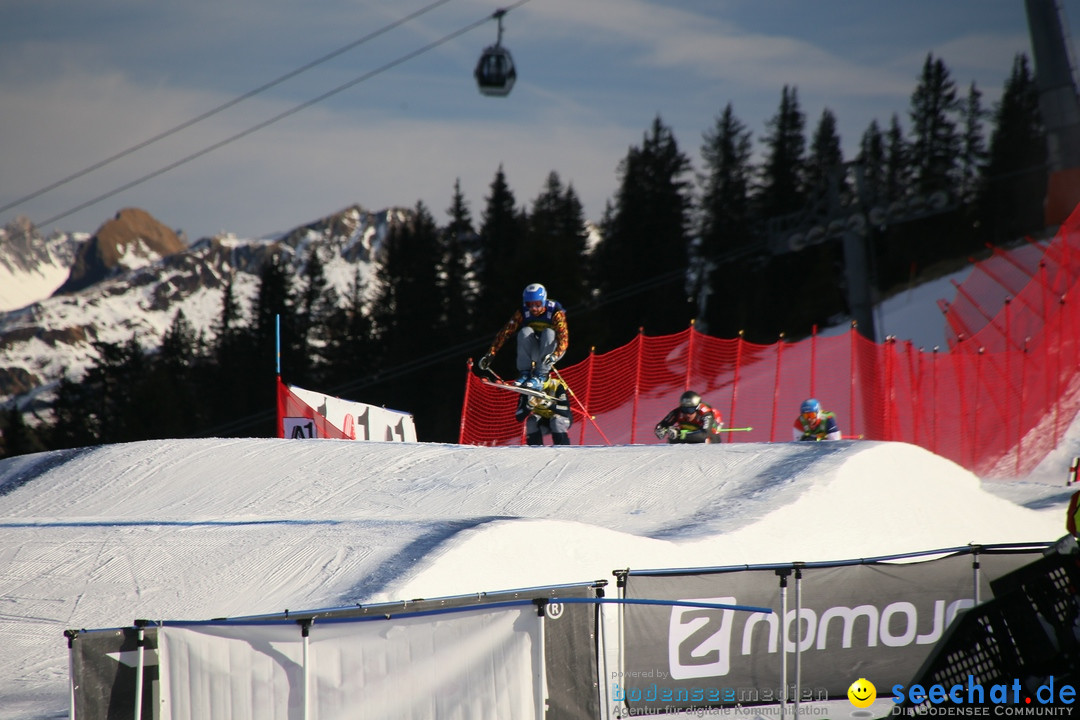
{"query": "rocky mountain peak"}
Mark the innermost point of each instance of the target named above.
(132, 239)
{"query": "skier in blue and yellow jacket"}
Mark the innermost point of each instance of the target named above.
(814, 423)
(547, 417)
(542, 337)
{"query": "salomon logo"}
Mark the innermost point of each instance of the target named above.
(699, 640)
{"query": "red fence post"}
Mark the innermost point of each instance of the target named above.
(933, 414)
(1020, 415)
(689, 354)
(776, 388)
(588, 393)
(915, 382)
(854, 384)
(974, 415)
(1057, 369)
(465, 403)
(637, 385)
(735, 383)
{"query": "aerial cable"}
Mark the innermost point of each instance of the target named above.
(280, 116)
(214, 111)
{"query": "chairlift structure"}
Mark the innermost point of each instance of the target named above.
(495, 73)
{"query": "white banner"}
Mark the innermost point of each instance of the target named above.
(466, 665)
(358, 421)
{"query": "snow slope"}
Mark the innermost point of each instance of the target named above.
(193, 529)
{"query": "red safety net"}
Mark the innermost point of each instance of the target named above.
(996, 402)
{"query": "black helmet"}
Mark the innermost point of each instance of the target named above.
(689, 400)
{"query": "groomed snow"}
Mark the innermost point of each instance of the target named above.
(194, 529)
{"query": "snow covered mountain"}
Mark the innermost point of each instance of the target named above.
(131, 277)
(33, 266)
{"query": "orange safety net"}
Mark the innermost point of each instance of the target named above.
(996, 402)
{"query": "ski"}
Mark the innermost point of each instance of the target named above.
(518, 389)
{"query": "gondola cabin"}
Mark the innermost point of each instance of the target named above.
(495, 73)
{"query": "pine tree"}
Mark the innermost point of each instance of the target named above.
(350, 353)
(406, 316)
(897, 166)
(973, 146)
(826, 181)
(728, 289)
(224, 383)
(172, 384)
(317, 302)
(499, 274)
(74, 425)
(1014, 183)
(228, 320)
(781, 183)
(725, 201)
(459, 248)
(556, 229)
(936, 142)
(642, 259)
(17, 437)
(252, 399)
(873, 185)
(113, 383)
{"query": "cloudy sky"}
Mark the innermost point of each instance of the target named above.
(82, 82)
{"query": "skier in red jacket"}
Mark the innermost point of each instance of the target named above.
(691, 422)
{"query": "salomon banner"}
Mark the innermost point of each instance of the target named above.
(876, 621)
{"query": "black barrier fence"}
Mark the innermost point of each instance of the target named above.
(832, 624)
(1013, 648)
(690, 638)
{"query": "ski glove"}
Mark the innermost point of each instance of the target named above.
(485, 362)
(550, 359)
(661, 433)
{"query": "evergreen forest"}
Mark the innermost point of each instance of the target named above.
(744, 243)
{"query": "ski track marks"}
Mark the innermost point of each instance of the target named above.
(196, 529)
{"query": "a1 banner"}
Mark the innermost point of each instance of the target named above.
(306, 414)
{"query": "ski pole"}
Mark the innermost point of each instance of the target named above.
(745, 429)
(592, 418)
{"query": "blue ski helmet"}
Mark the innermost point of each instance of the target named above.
(534, 293)
(810, 406)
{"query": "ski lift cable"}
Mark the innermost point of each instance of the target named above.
(225, 106)
(276, 118)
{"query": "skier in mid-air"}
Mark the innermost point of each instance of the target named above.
(546, 417)
(814, 423)
(542, 337)
(691, 422)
